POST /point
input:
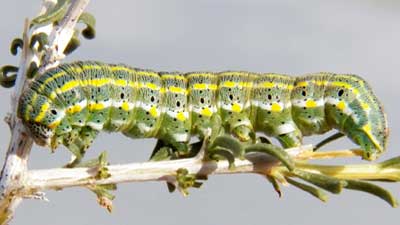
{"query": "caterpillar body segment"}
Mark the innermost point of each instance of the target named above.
(273, 108)
(70, 104)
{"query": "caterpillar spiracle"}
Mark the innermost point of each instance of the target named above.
(71, 103)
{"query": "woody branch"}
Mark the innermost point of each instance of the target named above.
(58, 178)
(15, 166)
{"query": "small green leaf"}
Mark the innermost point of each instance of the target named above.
(224, 153)
(318, 193)
(229, 142)
(372, 189)
(275, 185)
(328, 183)
(393, 163)
(103, 194)
(164, 153)
(102, 167)
(185, 181)
(274, 151)
(53, 14)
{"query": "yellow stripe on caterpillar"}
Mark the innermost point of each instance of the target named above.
(42, 113)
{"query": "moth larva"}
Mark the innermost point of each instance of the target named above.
(71, 103)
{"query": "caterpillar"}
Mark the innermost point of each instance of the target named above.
(71, 103)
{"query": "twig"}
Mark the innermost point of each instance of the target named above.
(15, 166)
(62, 34)
(40, 180)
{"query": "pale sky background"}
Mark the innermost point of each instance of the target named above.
(292, 37)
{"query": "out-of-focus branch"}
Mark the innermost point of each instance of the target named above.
(15, 165)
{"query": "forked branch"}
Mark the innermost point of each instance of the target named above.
(15, 166)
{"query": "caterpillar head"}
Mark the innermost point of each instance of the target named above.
(39, 116)
(353, 108)
(40, 133)
(372, 137)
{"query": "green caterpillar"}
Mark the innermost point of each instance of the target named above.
(70, 104)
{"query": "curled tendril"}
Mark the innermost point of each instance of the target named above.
(73, 44)
(15, 44)
(32, 70)
(41, 39)
(53, 14)
(8, 74)
(88, 19)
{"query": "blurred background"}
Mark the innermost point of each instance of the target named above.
(282, 36)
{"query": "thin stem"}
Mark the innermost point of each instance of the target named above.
(40, 180)
(360, 172)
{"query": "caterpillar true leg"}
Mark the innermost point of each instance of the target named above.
(80, 144)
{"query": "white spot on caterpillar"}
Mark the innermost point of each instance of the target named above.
(285, 128)
(143, 128)
(181, 137)
(106, 103)
(60, 116)
(118, 122)
(255, 103)
(83, 103)
(96, 126)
